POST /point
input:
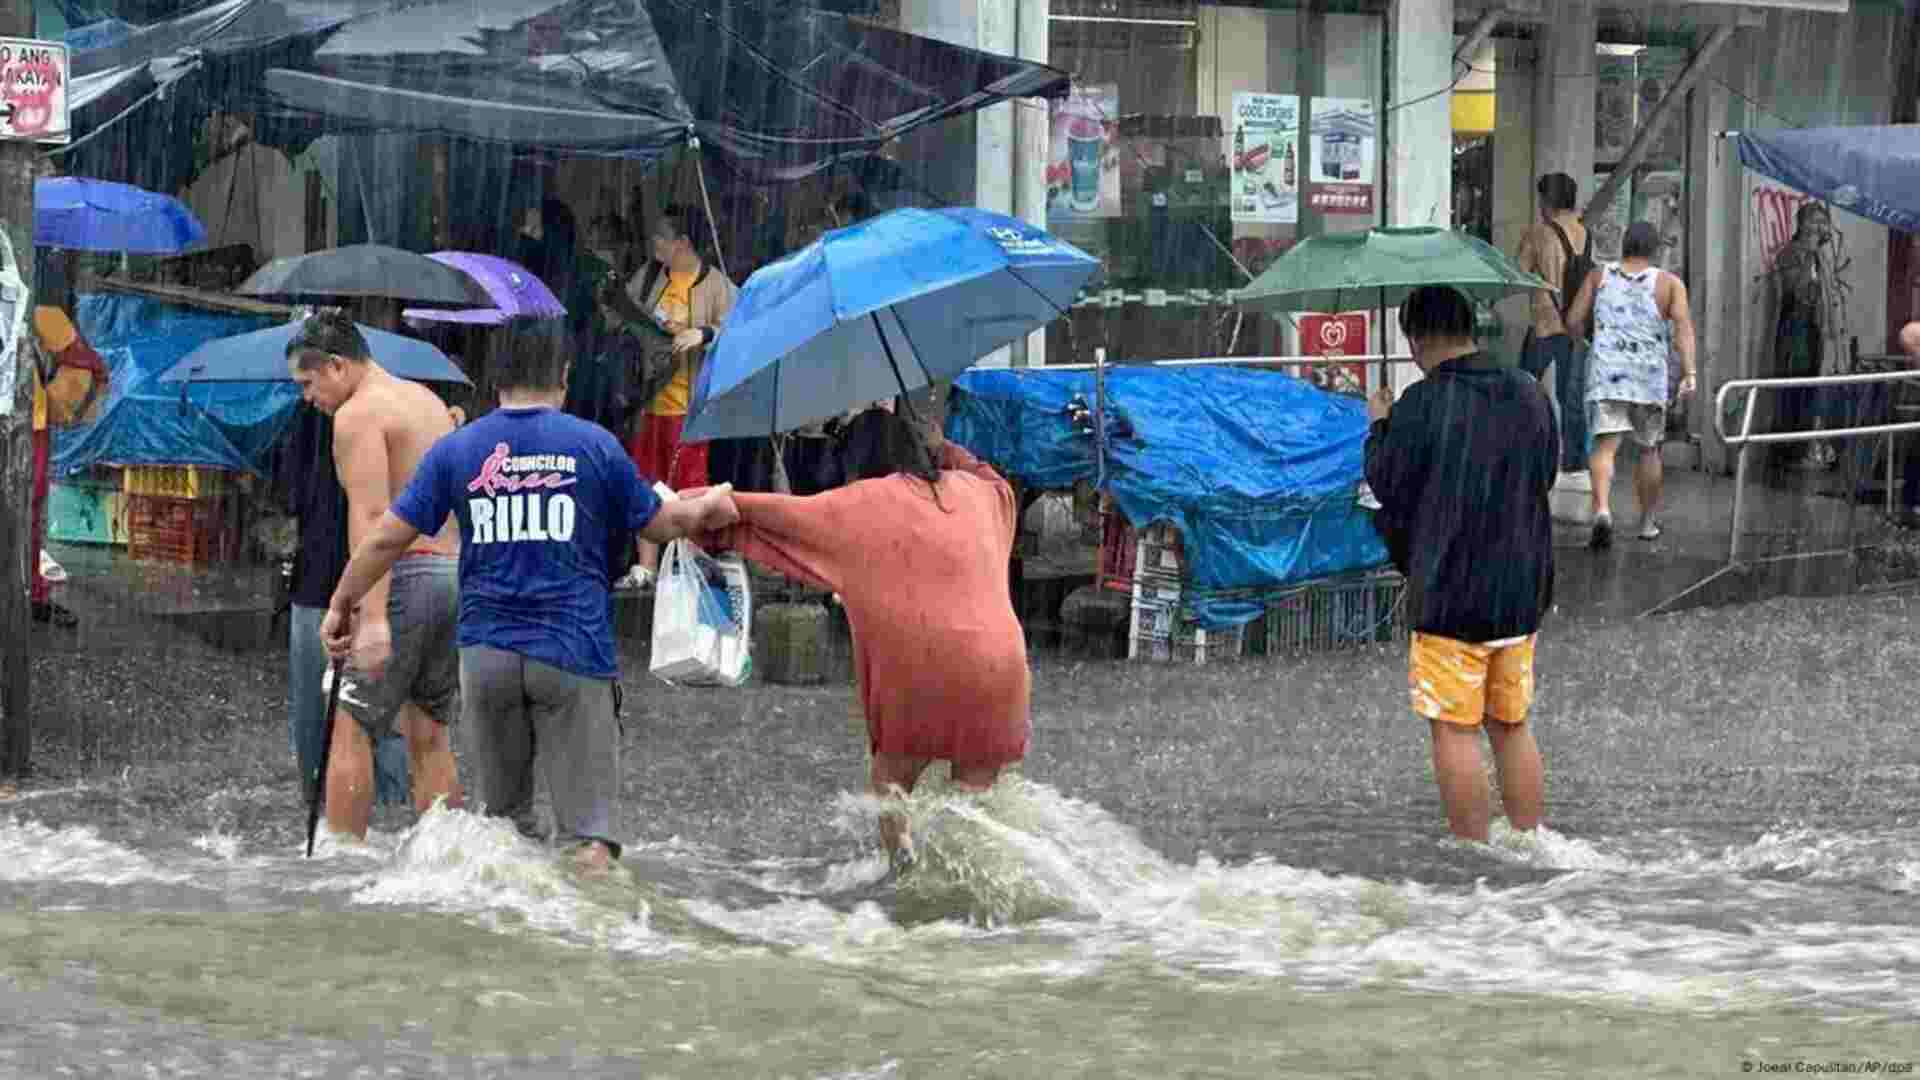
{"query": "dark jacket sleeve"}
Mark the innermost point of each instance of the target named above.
(1396, 466)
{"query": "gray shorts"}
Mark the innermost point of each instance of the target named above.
(520, 713)
(423, 606)
(1646, 423)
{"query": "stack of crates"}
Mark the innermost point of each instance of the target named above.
(1352, 611)
(1159, 630)
(180, 514)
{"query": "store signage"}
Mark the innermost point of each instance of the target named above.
(1343, 156)
(33, 91)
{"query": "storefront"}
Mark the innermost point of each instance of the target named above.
(1202, 141)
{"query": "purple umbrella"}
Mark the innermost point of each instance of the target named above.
(515, 291)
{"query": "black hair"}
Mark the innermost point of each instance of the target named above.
(1436, 311)
(896, 446)
(1557, 191)
(690, 222)
(530, 354)
(328, 332)
(1641, 242)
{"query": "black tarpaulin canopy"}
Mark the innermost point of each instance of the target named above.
(779, 90)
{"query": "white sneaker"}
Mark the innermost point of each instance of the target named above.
(50, 570)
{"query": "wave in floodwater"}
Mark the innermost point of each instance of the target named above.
(1026, 882)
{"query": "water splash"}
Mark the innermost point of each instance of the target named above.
(32, 852)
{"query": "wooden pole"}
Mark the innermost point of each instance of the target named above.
(17, 172)
(1650, 131)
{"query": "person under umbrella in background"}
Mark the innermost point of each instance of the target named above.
(917, 549)
(1463, 465)
(541, 499)
(691, 298)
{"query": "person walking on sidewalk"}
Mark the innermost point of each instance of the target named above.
(1640, 316)
(1463, 465)
(1559, 249)
(539, 496)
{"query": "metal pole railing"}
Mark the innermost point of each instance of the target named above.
(1747, 438)
(1237, 361)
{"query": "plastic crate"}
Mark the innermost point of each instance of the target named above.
(176, 481)
(1160, 631)
(181, 530)
(1344, 613)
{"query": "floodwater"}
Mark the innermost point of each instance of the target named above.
(1187, 886)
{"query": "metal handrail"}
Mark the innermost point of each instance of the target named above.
(1231, 361)
(1750, 385)
(1746, 439)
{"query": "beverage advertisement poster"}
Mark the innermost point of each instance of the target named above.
(1083, 163)
(1615, 108)
(1343, 156)
(1655, 72)
(1265, 158)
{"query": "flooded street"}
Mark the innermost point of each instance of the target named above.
(1233, 871)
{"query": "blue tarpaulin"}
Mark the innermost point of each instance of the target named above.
(1259, 472)
(1873, 171)
(146, 422)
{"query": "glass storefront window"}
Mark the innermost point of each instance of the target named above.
(1202, 141)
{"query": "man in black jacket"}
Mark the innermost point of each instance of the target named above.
(1462, 466)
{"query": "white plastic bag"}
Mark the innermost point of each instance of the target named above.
(702, 618)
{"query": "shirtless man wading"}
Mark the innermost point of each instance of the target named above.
(405, 664)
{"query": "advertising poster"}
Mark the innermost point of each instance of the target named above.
(1611, 229)
(1654, 74)
(1661, 200)
(1614, 112)
(1265, 158)
(1083, 163)
(1334, 335)
(1344, 156)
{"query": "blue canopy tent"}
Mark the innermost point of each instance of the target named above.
(1872, 171)
(146, 422)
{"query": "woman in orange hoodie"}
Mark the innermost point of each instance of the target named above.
(918, 553)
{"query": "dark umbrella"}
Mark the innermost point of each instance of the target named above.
(358, 272)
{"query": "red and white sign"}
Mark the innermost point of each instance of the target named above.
(33, 90)
(1334, 335)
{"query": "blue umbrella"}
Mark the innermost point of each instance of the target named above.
(262, 357)
(891, 305)
(98, 215)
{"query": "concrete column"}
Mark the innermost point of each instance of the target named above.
(1565, 84)
(987, 151)
(1564, 88)
(1513, 172)
(1418, 160)
(1032, 133)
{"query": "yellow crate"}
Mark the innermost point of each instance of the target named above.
(175, 481)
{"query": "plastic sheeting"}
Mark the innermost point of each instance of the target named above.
(779, 90)
(146, 422)
(1871, 171)
(1258, 471)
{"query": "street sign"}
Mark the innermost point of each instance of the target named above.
(33, 91)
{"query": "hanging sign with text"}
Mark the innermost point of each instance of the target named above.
(33, 90)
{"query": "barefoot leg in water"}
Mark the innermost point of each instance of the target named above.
(894, 776)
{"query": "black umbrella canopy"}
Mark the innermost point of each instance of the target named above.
(779, 89)
(365, 272)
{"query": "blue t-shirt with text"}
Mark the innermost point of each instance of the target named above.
(539, 495)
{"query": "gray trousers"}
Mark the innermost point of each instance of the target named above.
(516, 709)
(307, 712)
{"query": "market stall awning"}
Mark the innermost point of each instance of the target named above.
(780, 90)
(1873, 171)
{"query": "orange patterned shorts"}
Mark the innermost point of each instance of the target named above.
(1461, 682)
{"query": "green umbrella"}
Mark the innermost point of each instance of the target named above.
(1380, 267)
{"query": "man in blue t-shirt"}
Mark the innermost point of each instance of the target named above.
(541, 497)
